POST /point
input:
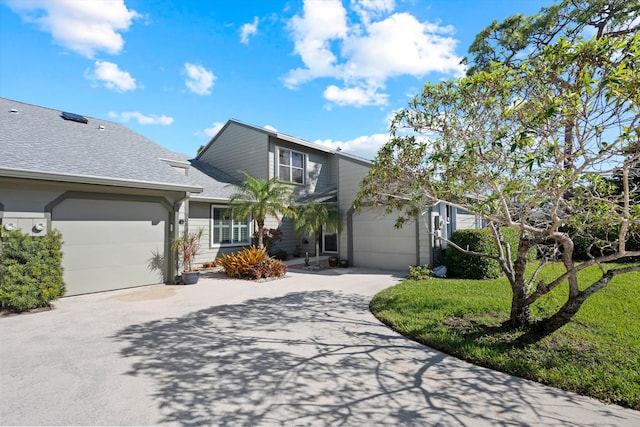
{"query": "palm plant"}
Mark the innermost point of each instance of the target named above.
(259, 198)
(188, 246)
(313, 216)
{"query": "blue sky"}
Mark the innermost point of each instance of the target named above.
(331, 72)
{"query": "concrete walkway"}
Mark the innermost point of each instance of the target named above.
(303, 350)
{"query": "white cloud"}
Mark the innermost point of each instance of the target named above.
(368, 9)
(322, 21)
(85, 27)
(111, 76)
(364, 49)
(271, 128)
(364, 146)
(213, 130)
(199, 79)
(355, 96)
(142, 119)
(248, 30)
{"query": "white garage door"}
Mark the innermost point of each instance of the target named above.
(378, 244)
(110, 244)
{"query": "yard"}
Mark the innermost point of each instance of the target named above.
(597, 354)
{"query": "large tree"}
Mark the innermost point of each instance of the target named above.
(492, 143)
(259, 198)
(519, 37)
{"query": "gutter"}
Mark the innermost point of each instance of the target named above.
(98, 180)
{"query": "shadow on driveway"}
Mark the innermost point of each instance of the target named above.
(320, 358)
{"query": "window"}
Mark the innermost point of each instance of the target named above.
(227, 231)
(291, 166)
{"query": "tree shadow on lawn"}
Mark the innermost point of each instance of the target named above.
(316, 358)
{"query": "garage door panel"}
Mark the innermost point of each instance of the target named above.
(85, 233)
(110, 244)
(113, 256)
(93, 280)
(378, 244)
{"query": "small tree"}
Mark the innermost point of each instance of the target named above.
(494, 144)
(313, 216)
(187, 246)
(259, 198)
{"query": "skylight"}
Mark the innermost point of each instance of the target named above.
(74, 117)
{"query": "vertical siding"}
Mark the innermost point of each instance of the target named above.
(349, 176)
(424, 240)
(239, 148)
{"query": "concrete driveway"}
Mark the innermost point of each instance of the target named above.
(303, 350)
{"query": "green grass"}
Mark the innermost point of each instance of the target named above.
(597, 354)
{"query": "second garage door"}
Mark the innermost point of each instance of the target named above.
(111, 244)
(378, 244)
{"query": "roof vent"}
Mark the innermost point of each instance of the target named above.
(74, 117)
(101, 127)
(13, 111)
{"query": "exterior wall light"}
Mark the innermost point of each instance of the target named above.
(10, 226)
(38, 227)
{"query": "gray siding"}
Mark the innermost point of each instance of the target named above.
(424, 240)
(110, 234)
(239, 148)
(350, 175)
(465, 220)
(318, 168)
(200, 218)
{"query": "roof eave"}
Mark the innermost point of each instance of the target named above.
(209, 199)
(97, 180)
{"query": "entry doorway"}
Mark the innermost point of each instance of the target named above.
(329, 241)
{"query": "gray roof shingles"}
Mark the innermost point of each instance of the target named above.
(38, 139)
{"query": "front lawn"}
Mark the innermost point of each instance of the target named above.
(597, 354)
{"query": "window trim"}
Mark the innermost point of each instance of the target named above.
(290, 166)
(212, 228)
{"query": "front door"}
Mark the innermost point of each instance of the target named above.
(329, 241)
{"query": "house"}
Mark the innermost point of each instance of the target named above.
(114, 194)
(119, 198)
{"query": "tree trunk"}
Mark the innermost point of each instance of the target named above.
(570, 308)
(260, 233)
(520, 307)
(520, 310)
(317, 249)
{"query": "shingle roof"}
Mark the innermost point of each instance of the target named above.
(214, 182)
(37, 140)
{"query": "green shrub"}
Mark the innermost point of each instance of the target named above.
(280, 254)
(251, 263)
(30, 270)
(479, 240)
(419, 272)
(270, 237)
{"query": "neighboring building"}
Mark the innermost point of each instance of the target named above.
(119, 198)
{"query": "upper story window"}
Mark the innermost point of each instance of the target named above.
(291, 166)
(228, 231)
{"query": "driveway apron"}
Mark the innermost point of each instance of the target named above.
(303, 350)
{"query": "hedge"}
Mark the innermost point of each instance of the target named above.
(30, 270)
(465, 266)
